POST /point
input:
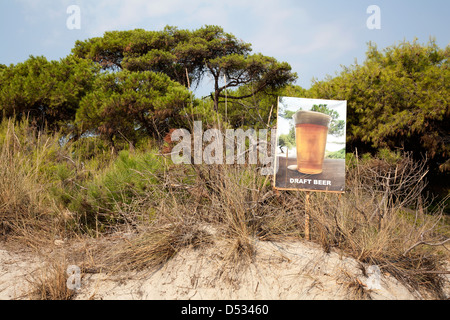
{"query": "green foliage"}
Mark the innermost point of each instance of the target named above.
(133, 97)
(90, 147)
(187, 56)
(130, 175)
(252, 112)
(178, 54)
(130, 105)
(257, 71)
(202, 110)
(102, 195)
(257, 110)
(42, 150)
(391, 157)
(28, 161)
(83, 180)
(287, 140)
(336, 154)
(48, 92)
(398, 98)
(170, 51)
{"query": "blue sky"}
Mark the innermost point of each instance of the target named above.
(315, 37)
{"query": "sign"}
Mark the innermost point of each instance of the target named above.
(310, 151)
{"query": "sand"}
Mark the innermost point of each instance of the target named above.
(15, 269)
(279, 271)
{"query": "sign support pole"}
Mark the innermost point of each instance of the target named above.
(307, 218)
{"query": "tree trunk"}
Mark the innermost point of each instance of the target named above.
(216, 93)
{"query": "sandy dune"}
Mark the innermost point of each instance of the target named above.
(15, 268)
(280, 271)
(300, 271)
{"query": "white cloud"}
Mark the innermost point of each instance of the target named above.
(106, 15)
(36, 11)
(330, 37)
(294, 32)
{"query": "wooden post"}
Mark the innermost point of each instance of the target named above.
(277, 193)
(287, 170)
(307, 218)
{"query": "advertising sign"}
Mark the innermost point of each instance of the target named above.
(310, 148)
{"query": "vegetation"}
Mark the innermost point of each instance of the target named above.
(49, 93)
(382, 219)
(131, 106)
(83, 143)
(398, 98)
(187, 56)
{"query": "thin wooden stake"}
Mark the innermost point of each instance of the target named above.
(277, 193)
(307, 218)
(287, 170)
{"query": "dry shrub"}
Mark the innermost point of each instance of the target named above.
(355, 288)
(158, 243)
(383, 220)
(23, 202)
(244, 202)
(50, 283)
(235, 201)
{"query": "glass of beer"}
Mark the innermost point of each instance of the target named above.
(311, 131)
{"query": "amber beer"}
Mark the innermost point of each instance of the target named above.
(311, 131)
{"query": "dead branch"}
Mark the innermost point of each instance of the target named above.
(426, 243)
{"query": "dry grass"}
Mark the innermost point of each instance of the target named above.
(222, 206)
(24, 207)
(156, 246)
(356, 290)
(381, 220)
(50, 283)
(383, 223)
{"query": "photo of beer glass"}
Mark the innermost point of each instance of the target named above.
(311, 131)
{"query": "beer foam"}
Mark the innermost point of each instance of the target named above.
(311, 117)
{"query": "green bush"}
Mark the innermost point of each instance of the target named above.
(100, 198)
(129, 175)
(337, 154)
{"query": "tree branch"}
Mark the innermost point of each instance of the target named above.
(245, 96)
(426, 243)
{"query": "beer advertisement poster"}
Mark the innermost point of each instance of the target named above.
(310, 150)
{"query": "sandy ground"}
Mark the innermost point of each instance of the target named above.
(15, 269)
(279, 271)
